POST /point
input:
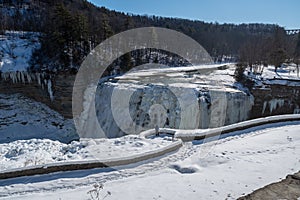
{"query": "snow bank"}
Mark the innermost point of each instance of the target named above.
(31, 157)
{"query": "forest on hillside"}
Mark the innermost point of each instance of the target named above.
(72, 28)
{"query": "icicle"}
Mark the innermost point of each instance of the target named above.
(28, 77)
(22, 77)
(18, 76)
(275, 103)
(297, 110)
(44, 83)
(264, 107)
(4, 76)
(50, 90)
(38, 76)
(13, 76)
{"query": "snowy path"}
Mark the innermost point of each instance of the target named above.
(235, 166)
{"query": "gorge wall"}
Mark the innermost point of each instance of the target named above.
(276, 98)
(204, 107)
(54, 90)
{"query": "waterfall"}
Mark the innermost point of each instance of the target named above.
(184, 108)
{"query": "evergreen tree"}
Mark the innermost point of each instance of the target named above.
(106, 28)
(128, 23)
(239, 72)
(127, 62)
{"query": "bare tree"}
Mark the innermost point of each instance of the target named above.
(297, 55)
(278, 54)
(253, 54)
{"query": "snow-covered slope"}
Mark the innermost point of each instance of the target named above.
(22, 118)
(16, 49)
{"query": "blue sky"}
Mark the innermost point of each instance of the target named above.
(285, 13)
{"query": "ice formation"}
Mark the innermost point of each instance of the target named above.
(273, 105)
(50, 91)
(125, 105)
(42, 79)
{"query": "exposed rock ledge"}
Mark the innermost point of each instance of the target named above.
(288, 188)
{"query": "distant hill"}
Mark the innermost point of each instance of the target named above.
(77, 26)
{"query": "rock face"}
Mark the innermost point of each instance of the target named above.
(129, 104)
(183, 99)
(288, 188)
(276, 99)
(52, 90)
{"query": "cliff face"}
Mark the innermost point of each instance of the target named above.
(178, 103)
(276, 99)
(52, 90)
(132, 103)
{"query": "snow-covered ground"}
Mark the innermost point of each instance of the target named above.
(33, 134)
(212, 76)
(234, 166)
(22, 118)
(16, 49)
(286, 71)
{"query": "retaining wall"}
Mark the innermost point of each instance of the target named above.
(81, 165)
(199, 134)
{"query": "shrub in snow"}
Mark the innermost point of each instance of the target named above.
(95, 193)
